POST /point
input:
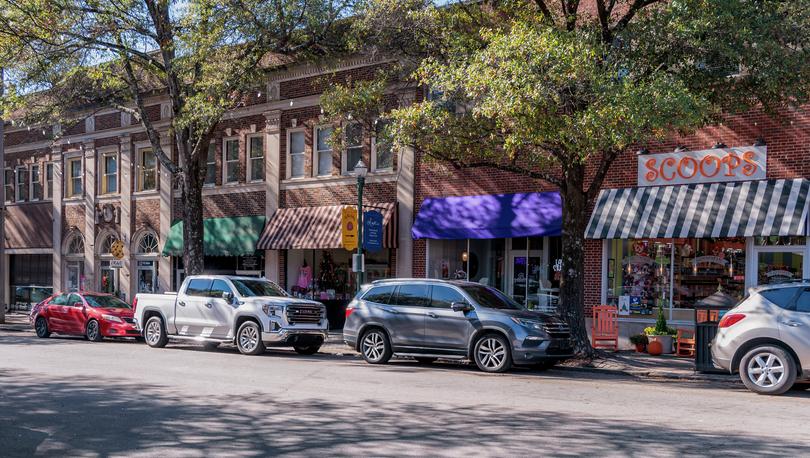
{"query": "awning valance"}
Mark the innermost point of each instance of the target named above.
(234, 236)
(489, 216)
(315, 228)
(742, 209)
(29, 226)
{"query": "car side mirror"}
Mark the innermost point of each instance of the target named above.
(460, 307)
(228, 296)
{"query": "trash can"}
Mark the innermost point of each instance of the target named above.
(708, 313)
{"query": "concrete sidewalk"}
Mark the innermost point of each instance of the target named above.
(16, 322)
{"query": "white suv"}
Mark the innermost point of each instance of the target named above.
(766, 338)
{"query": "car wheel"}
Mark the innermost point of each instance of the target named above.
(93, 331)
(249, 339)
(768, 369)
(307, 349)
(375, 347)
(210, 345)
(492, 353)
(545, 364)
(41, 326)
(155, 333)
(425, 360)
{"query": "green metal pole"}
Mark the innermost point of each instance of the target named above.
(361, 181)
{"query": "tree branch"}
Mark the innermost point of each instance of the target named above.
(601, 172)
(635, 7)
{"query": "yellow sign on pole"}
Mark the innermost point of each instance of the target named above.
(348, 228)
(117, 249)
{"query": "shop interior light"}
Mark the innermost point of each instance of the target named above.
(464, 256)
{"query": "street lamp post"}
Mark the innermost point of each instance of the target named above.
(361, 170)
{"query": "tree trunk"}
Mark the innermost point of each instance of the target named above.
(192, 221)
(572, 285)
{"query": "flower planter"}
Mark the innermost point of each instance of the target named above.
(665, 341)
(641, 348)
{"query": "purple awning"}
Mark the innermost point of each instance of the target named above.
(489, 216)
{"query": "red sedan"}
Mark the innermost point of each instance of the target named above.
(93, 315)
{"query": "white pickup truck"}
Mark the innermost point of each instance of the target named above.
(251, 312)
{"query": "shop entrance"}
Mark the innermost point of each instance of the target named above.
(778, 260)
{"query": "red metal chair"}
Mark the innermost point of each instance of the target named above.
(605, 328)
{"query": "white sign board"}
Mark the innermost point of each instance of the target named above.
(116, 263)
(707, 166)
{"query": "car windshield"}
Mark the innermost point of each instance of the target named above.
(258, 288)
(106, 302)
(491, 298)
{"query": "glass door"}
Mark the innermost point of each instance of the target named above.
(775, 267)
(73, 276)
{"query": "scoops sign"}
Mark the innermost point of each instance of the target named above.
(707, 166)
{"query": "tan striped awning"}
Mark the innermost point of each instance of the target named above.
(315, 228)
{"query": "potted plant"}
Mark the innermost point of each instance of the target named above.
(640, 341)
(660, 333)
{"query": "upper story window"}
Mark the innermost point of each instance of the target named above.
(9, 184)
(354, 147)
(147, 171)
(323, 150)
(231, 162)
(21, 191)
(295, 147)
(109, 173)
(49, 180)
(148, 244)
(36, 182)
(74, 181)
(382, 156)
(256, 158)
(211, 165)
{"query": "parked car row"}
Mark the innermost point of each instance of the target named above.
(765, 338)
(423, 319)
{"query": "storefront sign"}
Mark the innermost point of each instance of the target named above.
(707, 166)
(116, 264)
(372, 230)
(348, 228)
(249, 263)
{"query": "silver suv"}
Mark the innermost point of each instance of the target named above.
(431, 319)
(766, 338)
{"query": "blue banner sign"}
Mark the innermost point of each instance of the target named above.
(372, 230)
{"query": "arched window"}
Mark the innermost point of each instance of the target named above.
(148, 244)
(107, 243)
(75, 245)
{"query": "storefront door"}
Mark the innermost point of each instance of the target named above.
(525, 277)
(74, 275)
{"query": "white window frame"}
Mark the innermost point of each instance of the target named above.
(31, 182)
(17, 190)
(207, 163)
(103, 172)
(10, 196)
(139, 171)
(249, 159)
(316, 153)
(374, 167)
(344, 154)
(225, 160)
(69, 188)
(47, 187)
(290, 132)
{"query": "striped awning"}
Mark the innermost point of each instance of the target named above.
(314, 228)
(742, 209)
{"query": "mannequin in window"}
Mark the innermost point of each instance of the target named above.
(304, 276)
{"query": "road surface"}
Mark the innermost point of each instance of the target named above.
(67, 396)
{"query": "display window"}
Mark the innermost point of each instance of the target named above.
(327, 274)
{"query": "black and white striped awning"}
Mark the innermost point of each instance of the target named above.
(750, 208)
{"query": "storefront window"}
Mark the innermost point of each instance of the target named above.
(146, 276)
(779, 267)
(30, 278)
(327, 274)
(446, 259)
(486, 261)
(706, 266)
(639, 275)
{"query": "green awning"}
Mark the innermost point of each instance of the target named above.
(235, 236)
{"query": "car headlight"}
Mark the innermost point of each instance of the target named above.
(112, 318)
(271, 309)
(531, 324)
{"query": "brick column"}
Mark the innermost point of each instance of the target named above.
(56, 157)
(272, 174)
(89, 155)
(166, 201)
(125, 277)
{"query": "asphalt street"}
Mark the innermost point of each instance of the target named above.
(70, 397)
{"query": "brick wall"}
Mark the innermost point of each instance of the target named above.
(107, 121)
(146, 213)
(338, 195)
(73, 217)
(314, 85)
(26, 136)
(107, 141)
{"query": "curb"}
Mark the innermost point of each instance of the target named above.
(659, 375)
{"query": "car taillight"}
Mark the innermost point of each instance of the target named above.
(349, 310)
(134, 304)
(730, 320)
